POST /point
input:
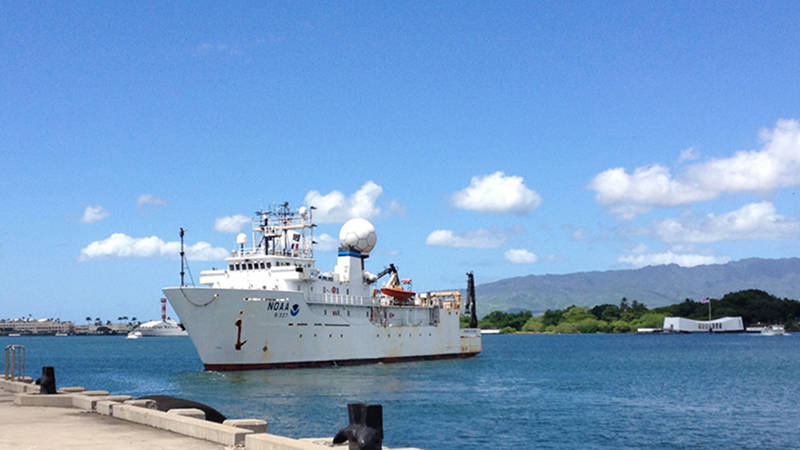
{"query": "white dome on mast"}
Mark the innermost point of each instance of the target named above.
(359, 235)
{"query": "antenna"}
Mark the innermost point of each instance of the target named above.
(183, 255)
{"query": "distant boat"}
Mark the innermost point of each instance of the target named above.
(61, 334)
(134, 335)
(490, 331)
(14, 335)
(165, 327)
(774, 330)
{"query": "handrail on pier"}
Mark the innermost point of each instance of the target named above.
(15, 362)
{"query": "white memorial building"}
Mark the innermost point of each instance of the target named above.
(721, 325)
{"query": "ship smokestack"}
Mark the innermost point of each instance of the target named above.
(473, 315)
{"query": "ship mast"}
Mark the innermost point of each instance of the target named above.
(183, 256)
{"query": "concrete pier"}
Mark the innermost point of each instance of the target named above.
(93, 420)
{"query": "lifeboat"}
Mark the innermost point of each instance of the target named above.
(398, 293)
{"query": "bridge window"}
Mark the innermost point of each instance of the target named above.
(230, 267)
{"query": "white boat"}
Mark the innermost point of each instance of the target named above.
(164, 327)
(270, 306)
(134, 335)
(773, 330)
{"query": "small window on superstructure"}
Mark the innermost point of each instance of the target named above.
(237, 266)
(269, 265)
(262, 265)
(249, 266)
(230, 267)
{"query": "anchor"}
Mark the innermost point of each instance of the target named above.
(239, 341)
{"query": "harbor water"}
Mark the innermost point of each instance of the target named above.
(523, 391)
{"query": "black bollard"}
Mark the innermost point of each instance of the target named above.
(47, 384)
(365, 430)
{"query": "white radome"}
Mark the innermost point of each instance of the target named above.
(358, 235)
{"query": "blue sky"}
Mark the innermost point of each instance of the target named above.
(505, 138)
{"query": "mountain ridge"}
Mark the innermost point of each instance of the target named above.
(652, 285)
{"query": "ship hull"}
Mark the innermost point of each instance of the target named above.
(244, 329)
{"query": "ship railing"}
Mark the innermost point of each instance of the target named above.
(339, 299)
(15, 362)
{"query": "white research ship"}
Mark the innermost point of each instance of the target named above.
(272, 308)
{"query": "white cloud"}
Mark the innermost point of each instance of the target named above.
(754, 221)
(120, 245)
(147, 199)
(231, 224)
(688, 154)
(576, 233)
(641, 257)
(333, 207)
(396, 208)
(628, 195)
(94, 213)
(520, 256)
(497, 193)
(775, 165)
(326, 242)
(480, 238)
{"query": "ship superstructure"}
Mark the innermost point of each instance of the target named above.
(270, 306)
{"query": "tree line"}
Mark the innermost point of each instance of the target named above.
(756, 307)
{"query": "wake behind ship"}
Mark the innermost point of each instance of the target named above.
(272, 308)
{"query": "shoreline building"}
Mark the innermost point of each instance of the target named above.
(35, 327)
(721, 325)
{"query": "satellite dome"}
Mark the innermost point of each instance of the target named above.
(358, 235)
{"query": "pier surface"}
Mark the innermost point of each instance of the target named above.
(45, 427)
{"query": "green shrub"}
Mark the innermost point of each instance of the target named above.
(620, 326)
(589, 325)
(565, 328)
(534, 324)
(508, 330)
(649, 320)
